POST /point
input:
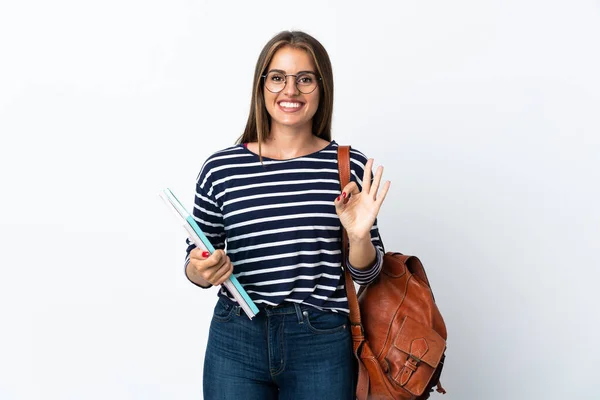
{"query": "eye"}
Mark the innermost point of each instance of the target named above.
(276, 77)
(305, 79)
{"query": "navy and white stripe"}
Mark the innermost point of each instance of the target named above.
(278, 225)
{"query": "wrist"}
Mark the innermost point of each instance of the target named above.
(354, 239)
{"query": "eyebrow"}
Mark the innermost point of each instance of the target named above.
(297, 73)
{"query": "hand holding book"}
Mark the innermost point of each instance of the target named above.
(214, 268)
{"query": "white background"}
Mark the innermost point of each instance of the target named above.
(485, 115)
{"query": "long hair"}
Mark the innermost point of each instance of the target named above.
(258, 127)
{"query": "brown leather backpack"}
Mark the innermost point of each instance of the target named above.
(398, 333)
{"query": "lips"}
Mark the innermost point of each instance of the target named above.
(290, 105)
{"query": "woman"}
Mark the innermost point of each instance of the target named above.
(274, 199)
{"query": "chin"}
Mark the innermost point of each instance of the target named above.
(293, 124)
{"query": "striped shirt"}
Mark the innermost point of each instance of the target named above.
(277, 223)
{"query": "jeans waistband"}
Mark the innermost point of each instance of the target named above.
(281, 309)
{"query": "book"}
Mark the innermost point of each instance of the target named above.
(198, 237)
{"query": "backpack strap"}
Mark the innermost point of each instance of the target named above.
(356, 327)
(344, 171)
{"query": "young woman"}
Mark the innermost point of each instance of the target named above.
(272, 207)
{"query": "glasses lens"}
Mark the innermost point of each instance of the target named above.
(275, 81)
(306, 82)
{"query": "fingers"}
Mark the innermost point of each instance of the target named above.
(199, 254)
(383, 193)
(366, 182)
(348, 191)
(215, 268)
(223, 273)
(376, 181)
(371, 188)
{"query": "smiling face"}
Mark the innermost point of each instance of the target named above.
(290, 108)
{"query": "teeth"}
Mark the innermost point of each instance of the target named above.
(289, 105)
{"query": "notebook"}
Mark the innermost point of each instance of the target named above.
(201, 241)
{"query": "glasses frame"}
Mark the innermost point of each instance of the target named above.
(295, 81)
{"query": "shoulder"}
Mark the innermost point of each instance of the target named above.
(220, 160)
(222, 156)
(358, 159)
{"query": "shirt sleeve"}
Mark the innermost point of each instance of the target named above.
(209, 217)
(366, 276)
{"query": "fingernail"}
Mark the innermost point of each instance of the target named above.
(344, 194)
(338, 199)
(205, 254)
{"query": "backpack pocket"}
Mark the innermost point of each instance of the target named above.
(414, 356)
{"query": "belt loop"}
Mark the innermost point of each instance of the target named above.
(298, 313)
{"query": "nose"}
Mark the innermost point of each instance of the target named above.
(290, 88)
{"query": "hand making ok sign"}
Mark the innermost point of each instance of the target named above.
(358, 209)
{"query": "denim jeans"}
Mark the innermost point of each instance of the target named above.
(288, 352)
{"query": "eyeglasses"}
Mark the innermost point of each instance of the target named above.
(306, 82)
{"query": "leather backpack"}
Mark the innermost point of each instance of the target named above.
(398, 333)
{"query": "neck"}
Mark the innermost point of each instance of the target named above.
(288, 142)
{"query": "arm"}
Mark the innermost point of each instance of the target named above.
(365, 258)
(209, 217)
(357, 208)
(362, 253)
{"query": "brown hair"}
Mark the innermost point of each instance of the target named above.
(259, 121)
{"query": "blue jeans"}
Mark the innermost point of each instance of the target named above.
(288, 352)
